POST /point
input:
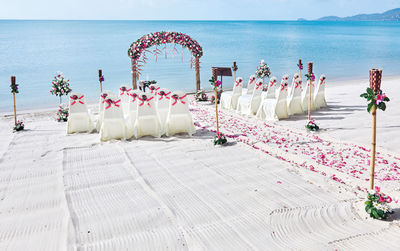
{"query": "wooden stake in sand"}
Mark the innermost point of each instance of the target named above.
(13, 93)
(310, 71)
(216, 107)
(300, 68)
(375, 77)
(234, 68)
(101, 79)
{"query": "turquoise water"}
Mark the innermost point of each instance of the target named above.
(35, 50)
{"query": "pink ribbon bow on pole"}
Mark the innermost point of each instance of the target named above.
(76, 99)
(111, 102)
(176, 98)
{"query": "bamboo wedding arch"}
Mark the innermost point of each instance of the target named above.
(139, 50)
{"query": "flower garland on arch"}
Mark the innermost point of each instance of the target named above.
(137, 51)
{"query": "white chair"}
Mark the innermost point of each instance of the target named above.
(147, 121)
(124, 96)
(250, 85)
(319, 96)
(103, 97)
(153, 89)
(294, 99)
(275, 109)
(291, 88)
(271, 92)
(114, 124)
(179, 119)
(133, 106)
(79, 119)
(162, 101)
(248, 104)
(229, 99)
(306, 94)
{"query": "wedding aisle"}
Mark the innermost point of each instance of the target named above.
(71, 192)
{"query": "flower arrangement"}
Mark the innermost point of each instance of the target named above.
(220, 139)
(201, 95)
(146, 83)
(263, 70)
(300, 65)
(377, 204)
(234, 66)
(14, 87)
(216, 84)
(311, 125)
(164, 37)
(375, 99)
(62, 114)
(60, 86)
(19, 126)
(310, 76)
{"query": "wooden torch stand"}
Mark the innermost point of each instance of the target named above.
(373, 149)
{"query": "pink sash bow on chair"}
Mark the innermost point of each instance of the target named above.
(104, 96)
(272, 83)
(163, 94)
(124, 90)
(258, 85)
(238, 83)
(144, 100)
(76, 99)
(177, 98)
(134, 96)
(112, 102)
(153, 89)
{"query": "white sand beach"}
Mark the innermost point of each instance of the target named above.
(275, 186)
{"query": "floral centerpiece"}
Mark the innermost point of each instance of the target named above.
(201, 95)
(62, 114)
(263, 70)
(60, 86)
(19, 126)
(220, 139)
(377, 204)
(311, 125)
(376, 100)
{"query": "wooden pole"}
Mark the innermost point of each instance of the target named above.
(373, 149)
(197, 66)
(134, 75)
(15, 109)
(309, 100)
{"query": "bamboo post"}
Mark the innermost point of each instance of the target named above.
(310, 71)
(375, 77)
(300, 68)
(101, 84)
(197, 66)
(373, 149)
(234, 71)
(15, 110)
(134, 75)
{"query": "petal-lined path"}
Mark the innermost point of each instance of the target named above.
(346, 163)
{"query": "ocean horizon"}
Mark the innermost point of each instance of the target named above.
(34, 50)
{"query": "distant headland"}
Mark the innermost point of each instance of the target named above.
(390, 15)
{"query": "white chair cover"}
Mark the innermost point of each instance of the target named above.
(147, 121)
(292, 87)
(79, 119)
(271, 92)
(305, 96)
(248, 104)
(250, 85)
(319, 97)
(103, 97)
(114, 124)
(133, 106)
(162, 99)
(229, 99)
(275, 109)
(124, 96)
(153, 89)
(294, 99)
(179, 119)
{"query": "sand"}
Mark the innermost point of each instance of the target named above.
(73, 192)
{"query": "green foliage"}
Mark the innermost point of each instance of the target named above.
(376, 100)
(220, 139)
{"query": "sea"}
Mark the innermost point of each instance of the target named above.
(34, 51)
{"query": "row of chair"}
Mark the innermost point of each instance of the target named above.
(133, 113)
(273, 101)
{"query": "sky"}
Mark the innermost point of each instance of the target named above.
(189, 9)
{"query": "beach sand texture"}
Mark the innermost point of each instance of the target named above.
(269, 189)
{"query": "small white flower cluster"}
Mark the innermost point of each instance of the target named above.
(263, 70)
(60, 86)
